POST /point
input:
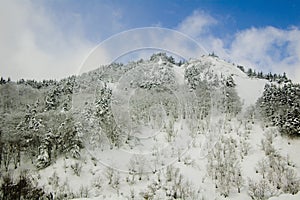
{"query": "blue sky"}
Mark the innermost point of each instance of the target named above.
(50, 39)
(97, 17)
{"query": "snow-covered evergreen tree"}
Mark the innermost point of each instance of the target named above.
(105, 116)
(70, 138)
(281, 106)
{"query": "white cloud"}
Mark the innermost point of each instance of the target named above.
(196, 24)
(34, 46)
(267, 49)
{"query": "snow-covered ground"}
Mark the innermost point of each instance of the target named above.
(192, 165)
(187, 160)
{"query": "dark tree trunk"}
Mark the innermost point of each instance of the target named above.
(1, 147)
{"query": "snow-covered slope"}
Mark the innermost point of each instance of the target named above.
(247, 132)
(286, 197)
(244, 131)
(154, 129)
(249, 89)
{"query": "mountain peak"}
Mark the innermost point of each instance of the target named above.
(162, 57)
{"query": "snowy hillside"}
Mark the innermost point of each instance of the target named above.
(151, 129)
(249, 89)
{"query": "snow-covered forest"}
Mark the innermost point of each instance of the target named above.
(152, 129)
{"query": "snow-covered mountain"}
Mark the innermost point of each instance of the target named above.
(151, 129)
